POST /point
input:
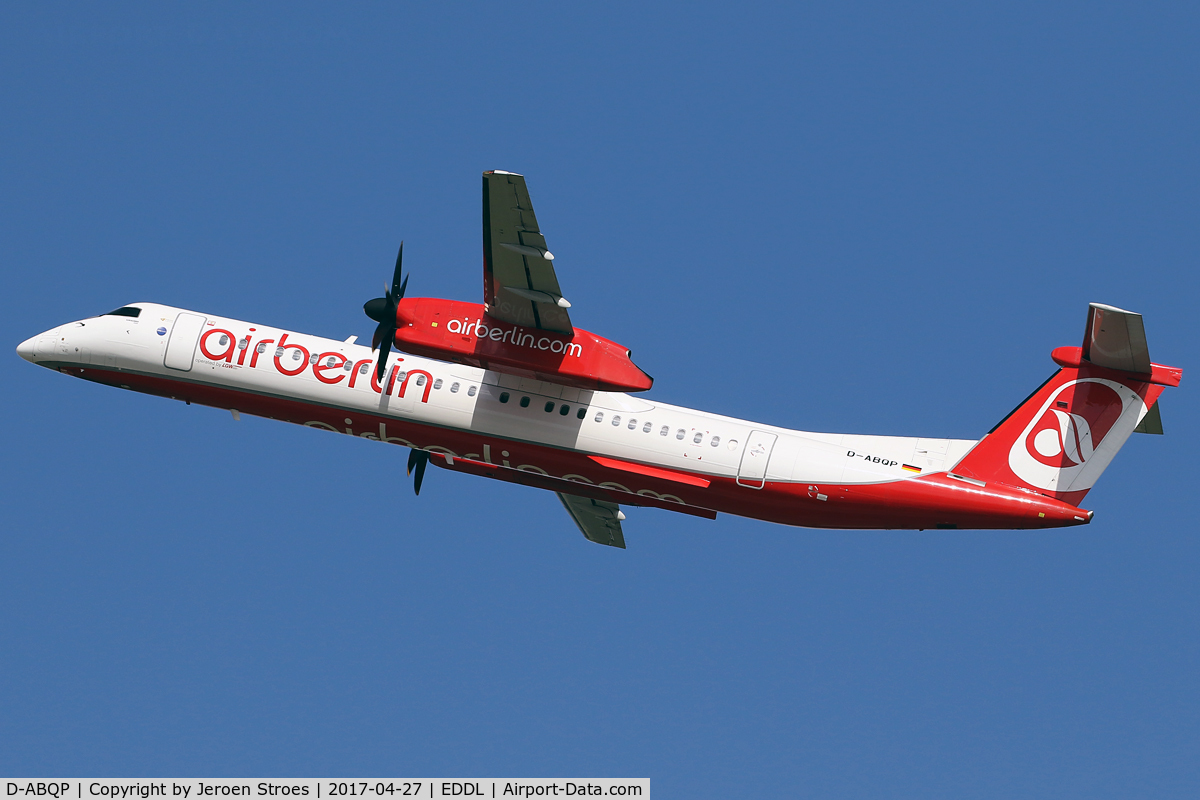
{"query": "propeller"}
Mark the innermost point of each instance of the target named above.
(417, 459)
(383, 311)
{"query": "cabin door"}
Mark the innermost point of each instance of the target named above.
(752, 472)
(181, 347)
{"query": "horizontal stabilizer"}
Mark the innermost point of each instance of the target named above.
(1116, 339)
(1060, 439)
(1152, 422)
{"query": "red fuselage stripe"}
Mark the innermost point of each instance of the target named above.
(928, 501)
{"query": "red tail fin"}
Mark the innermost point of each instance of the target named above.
(1067, 432)
(1060, 439)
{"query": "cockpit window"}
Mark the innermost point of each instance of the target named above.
(124, 311)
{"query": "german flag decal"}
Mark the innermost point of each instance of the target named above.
(911, 468)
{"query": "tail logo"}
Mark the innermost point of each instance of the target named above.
(1067, 438)
(1067, 431)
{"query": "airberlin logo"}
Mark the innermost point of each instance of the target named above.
(1067, 431)
(1066, 439)
(220, 346)
(514, 335)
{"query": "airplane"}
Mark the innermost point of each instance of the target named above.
(511, 390)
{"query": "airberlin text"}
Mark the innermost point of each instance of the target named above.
(883, 462)
(516, 336)
(221, 348)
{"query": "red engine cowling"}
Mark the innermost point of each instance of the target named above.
(450, 330)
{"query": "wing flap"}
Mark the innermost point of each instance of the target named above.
(598, 520)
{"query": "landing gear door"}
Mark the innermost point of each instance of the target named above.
(181, 347)
(752, 472)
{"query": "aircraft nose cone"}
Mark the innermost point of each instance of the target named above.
(25, 349)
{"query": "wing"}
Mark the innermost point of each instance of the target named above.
(519, 284)
(600, 521)
(595, 509)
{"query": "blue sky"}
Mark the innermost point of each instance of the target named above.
(854, 218)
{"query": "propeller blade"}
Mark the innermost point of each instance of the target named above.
(383, 311)
(385, 349)
(414, 455)
(396, 274)
(422, 462)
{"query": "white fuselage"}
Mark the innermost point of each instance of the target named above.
(330, 374)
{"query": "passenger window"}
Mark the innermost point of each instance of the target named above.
(696, 439)
(454, 387)
(632, 424)
(224, 340)
(646, 428)
(296, 355)
(420, 380)
(566, 409)
(716, 440)
(471, 392)
(679, 433)
(616, 420)
(581, 413)
(363, 369)
(262, 348)
(437, 384)
(243, 344)
(311, 359)
(665, 430)
(549, 406)
(279, 352)
(400, 376)
(329, 362)
(524, 402)
(599, 416)
(349, 365)
(504, 397)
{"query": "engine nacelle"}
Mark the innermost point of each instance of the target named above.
(463, 333)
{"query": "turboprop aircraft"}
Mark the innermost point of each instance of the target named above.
(510, 389)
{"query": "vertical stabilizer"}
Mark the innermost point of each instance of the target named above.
(1060, 440)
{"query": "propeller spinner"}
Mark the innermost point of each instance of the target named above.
(383, 311)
